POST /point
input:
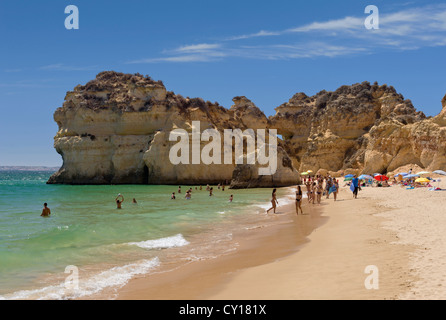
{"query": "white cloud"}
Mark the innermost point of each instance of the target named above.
(347, 23)
(63, 67)
(203, 47)
(406, 29)
(261, 33)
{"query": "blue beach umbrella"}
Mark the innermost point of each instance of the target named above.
(364, 176)
(401, 174)
(349, 176)
(410, 176)
(440, 172)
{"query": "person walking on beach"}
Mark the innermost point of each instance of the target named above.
(46, 212)
(308, 185)
(355, 182)
(319, 192)
(299, 200)
(119, 202)
(327, 187)
(274, 202)
(314, 192)
(335, 189)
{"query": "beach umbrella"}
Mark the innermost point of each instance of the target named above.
(422, 180)
(440, 172)
(364, 176)
(410, 176)
(381, 177)
(423, 172)
(304, 173)
(401, 174)
(349, 176)
(310, 171)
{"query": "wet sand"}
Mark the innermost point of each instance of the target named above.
(202, 279)
(320, 255)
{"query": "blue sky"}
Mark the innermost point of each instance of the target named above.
(216, 50)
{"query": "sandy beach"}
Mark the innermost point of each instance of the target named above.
(324, 254)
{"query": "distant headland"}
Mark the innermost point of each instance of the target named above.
(28, 168)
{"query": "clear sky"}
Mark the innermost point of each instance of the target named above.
(265, 50)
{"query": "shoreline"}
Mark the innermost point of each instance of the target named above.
(324, 259)
(331, 266)
(200, 279)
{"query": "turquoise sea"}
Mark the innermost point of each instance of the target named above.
(108, 246)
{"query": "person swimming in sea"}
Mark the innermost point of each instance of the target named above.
(173, 196)
(46, 212)
(119, 202)
(134, 201)
(210, 191)
(188, 195)
(231, 198)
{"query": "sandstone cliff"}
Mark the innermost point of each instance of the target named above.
(366, 127)
(115, 129)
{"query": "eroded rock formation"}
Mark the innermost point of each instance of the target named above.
(115, 129)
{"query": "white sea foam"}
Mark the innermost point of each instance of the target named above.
(115, 277)
(162, 243)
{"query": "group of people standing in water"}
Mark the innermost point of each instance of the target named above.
(209, 189)
(120, 198)
(317, 187)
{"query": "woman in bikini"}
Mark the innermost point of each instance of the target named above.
(319, 192)
(274, 202)
(299, 200)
